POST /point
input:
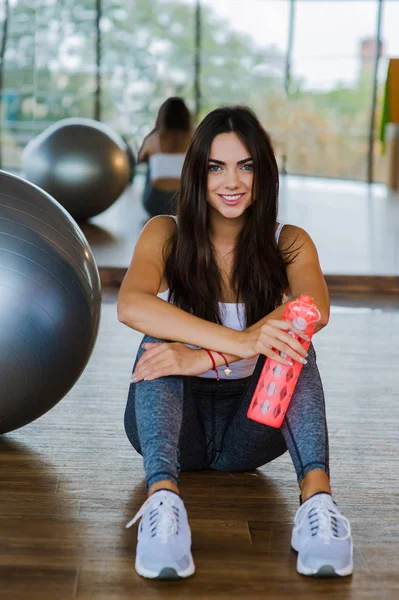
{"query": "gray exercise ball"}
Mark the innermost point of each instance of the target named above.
(82, 163)
(50, 302)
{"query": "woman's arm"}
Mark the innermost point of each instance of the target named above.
(146, 149)
(304, 277)
(264, 337)
(304, 274)
(141, 309)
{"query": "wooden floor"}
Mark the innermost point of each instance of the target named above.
(70, 481)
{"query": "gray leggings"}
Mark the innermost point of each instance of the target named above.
(189, 423)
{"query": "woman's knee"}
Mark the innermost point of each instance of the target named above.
(147, 339)
(309, 374)
(312, 357)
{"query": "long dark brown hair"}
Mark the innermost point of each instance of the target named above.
(259, 273)
(172, 115)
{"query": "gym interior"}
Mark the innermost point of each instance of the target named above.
(81, 82)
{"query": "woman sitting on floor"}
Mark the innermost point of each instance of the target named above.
(164, 150)
(216, 280)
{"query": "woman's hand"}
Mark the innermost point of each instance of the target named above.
(170, 358)
(270, 339)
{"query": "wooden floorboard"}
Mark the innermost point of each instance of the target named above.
(363, 285)
(70, 481)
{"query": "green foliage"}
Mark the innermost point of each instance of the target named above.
(147, 54)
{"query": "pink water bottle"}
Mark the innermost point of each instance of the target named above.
(277, 381)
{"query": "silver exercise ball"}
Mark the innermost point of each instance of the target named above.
(82, 163)
(50, 302)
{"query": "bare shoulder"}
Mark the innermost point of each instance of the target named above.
(303, 268)
(147, 148)
(150, 141)
(146, 270)
(297, 244)
(292, 233)
(158, 230)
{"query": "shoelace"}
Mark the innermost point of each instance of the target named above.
(164, 518)
(326, 518)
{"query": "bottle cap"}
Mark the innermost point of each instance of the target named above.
(299, 323)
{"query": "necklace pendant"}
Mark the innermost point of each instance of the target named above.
(227, 372)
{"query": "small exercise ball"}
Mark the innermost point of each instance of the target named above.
(82, 163)
(50, 302)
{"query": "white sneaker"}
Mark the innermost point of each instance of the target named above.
(164, 538)
(322, 538)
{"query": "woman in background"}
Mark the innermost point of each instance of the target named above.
(164, 150)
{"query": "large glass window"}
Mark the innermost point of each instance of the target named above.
(65, 59)
(309, 79)
(243, 58)
(390, 49)
(331, 90)
(18, 80)
(48, 71)
(147, 56)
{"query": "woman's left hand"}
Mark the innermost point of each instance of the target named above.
(161, 359)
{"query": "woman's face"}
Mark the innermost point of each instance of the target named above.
(230, 176)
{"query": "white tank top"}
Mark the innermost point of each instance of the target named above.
(233, 316)
(165, 166)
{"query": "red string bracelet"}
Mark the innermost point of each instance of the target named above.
(213, 363)
(227, 370)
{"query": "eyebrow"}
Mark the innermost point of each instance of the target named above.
(239, 162)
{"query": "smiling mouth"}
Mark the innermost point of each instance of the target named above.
(231, 198)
